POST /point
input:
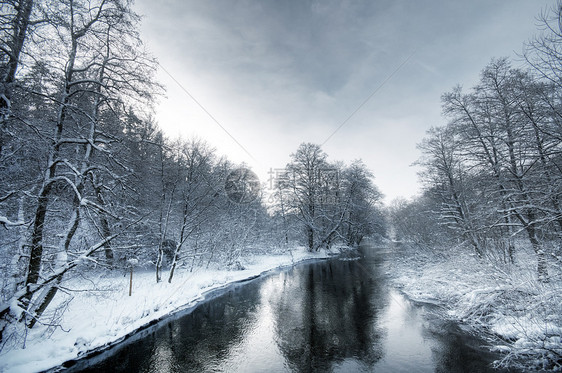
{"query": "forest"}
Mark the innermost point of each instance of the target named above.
(491, 204)
(90, 184)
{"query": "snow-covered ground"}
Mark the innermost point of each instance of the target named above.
(520, 316)
(101, 311)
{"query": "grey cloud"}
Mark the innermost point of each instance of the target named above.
(305, 66)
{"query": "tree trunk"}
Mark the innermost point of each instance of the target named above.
(159, 263)
(36, 254)
(16, 272)
(542, 268)
(50, 291)
(174, 262)
(20, 26)
(105, 231)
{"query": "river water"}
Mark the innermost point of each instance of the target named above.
(327, 316)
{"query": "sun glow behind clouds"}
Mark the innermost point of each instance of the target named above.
(277, 74)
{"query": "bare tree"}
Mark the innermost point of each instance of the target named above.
(498, 161)
(362, 212)
(14, 23)
(197, 192)
(102, 72)
(544, 52)
(304, 183)
(445, 170)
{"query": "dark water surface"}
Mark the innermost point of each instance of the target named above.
(329, 316)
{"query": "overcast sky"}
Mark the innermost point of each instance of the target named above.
(275, 74)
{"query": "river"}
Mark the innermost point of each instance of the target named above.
(326, 316)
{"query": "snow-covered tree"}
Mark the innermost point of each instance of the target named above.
(101, 71)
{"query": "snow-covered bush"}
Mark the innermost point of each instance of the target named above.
(520, 316)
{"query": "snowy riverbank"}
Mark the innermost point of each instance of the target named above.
(101, 311)
(519, 316)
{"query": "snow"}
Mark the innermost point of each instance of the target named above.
(7, 222)
(506, 304)
(101, 311)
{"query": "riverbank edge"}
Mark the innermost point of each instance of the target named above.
(463, 291)
(207, 296)
(17, 360)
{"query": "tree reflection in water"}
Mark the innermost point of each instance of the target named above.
(198, 341)
(326, 316)
(325, 313)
